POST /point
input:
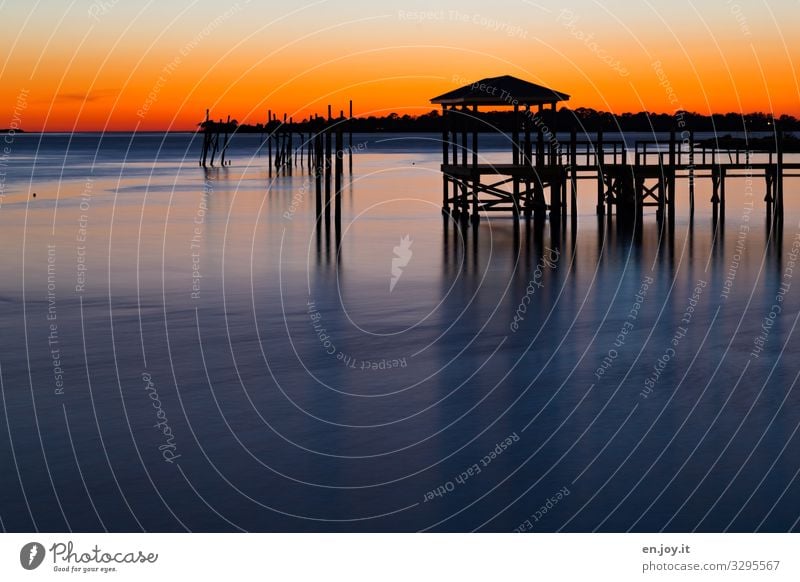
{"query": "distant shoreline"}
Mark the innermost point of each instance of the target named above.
(581, 119)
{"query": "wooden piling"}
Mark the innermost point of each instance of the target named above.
(214, 144)
(464, 198)
(290, 146)
(473, 121)
(445, 160)
(206, 133)
(453, 117)
(528, 161)
(350, 139)
(515, 160)
(779, 173)
(338, 168)
(599, 158)
(269, 141)
(715, 182)
(573, 166)
(670, 179)
(327, 134)
(225, 141)
(539, 139)
(318, 174)
(691, 173)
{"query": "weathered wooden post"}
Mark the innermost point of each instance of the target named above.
(528, 161)
(206, 131)
(318, 173)
(453, 115)
(600, 159)
(715, 187)
(328, 166)
(464, 196)
(338, 170)
(515, 160)
(557, 194)
(225, 141)
(691, 173)
(670, 178)
(573, 176)
(301, 147)
(350, 139)
(290, 146)
(269, 141)
(215, 142)
(475, 175)
(445, 161)
(779, 173)
(539, 138)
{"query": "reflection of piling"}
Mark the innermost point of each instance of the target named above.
(325, 154)
(338, 169)
(318, 170)
(316, 143)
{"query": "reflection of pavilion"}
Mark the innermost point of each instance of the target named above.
(529, 172)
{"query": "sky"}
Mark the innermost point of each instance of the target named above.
(116, 65)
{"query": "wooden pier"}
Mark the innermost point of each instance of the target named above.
(627, 179)
(216, 138)
(315, 145)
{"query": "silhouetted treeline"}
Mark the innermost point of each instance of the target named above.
(222, 126)
(581, 119)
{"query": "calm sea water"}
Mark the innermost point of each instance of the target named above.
(182, 349)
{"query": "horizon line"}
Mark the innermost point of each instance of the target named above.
(5, 130)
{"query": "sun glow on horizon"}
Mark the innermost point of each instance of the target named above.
(114, 66)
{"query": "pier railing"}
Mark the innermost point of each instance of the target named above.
(586, 153)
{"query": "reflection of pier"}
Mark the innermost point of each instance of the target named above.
(326, 153)
(628, 180)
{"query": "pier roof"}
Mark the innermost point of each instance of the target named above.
(499, 91)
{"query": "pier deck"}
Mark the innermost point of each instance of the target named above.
(627, 178)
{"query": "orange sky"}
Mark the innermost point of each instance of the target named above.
(115, 66)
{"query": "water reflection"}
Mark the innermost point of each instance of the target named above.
(328, 437)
